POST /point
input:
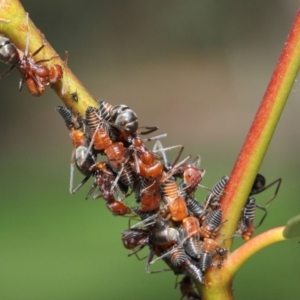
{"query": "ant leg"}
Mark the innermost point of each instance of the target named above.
(264, 216)
(145, 222)
(91, 191)
(139, 258)
(117, 177)
(150, 257)
(159, 148)
(22, 80)
(176, 167)
(133, 217)
(154, 138)
(98, 195)
(46, 59)
(27, 43)
(278, 182)
(197, 161)
(176, 282)
(149, 130)
(72, 171)
(148, 187)
(259, 186)
(81, 184)
(65, 82)
(27, 36)
(72, 176)
(135, 252)
(37, 51)
(72, 180)
(178, 155)
(7, 71)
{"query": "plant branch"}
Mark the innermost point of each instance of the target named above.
(247, 166)
(240, 255)
(243, 253)
(261, 132)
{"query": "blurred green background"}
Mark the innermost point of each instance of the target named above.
(196, 69)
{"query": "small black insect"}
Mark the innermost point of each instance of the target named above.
(75, 96)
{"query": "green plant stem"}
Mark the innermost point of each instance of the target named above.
(13, 24)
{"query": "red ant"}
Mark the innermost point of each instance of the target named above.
(104, 179)
(33, 74)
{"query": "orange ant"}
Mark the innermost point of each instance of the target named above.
(33, 74)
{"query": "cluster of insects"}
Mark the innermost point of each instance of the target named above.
(172, 223)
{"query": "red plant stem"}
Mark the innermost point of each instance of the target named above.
(261, 132)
